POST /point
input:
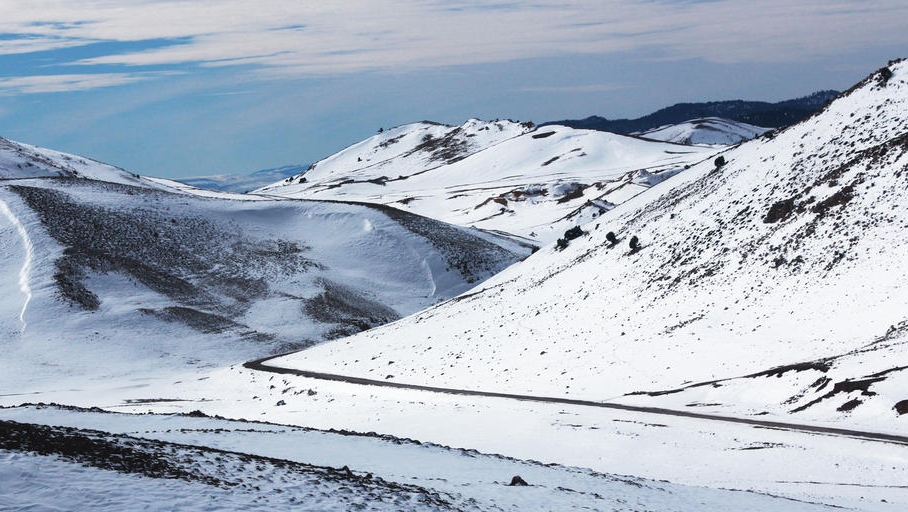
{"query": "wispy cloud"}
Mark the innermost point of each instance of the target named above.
(309, 37)
(33, 44)
(591, 88)
(67, 83)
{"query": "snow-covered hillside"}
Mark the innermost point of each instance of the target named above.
(103, 461)
(495, 176)
(101, 265)
(785, 265)
(402, 152)
(712, 131)
(19, 161)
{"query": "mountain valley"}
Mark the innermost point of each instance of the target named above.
(491, 316)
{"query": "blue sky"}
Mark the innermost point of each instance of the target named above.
(182, 88)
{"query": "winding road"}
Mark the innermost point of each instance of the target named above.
(260, 365)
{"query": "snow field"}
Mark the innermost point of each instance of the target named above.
(471, 480)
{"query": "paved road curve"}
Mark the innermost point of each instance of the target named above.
(260, 365)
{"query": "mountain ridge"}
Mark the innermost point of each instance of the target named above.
(759, 113)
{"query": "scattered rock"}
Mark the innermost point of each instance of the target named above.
(517, 481)
(573, 233)
(849, 405)
(780, 210)
(901, 407)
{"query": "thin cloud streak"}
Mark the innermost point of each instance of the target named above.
(38, 44)
(68, 83)
(591, 88)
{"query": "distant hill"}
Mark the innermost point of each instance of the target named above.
(709, 131)
(759, 113)
(499, 176)
(242, 183)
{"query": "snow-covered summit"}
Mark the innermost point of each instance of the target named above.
(19, 161)
(790, 255)
(713, 131)
(400, 152)
(494, 176)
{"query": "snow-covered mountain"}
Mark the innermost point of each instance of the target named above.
(775, 283)
(712, 131)
(242, 183)
(404, 151)
(21, 161)
(497, 176)
(100, 264)
(768, 284)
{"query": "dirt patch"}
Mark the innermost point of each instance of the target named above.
(840, 198)
(472, 256)
(339, 304)
(849, 405)
(242, 473)
(69, 277)
(779, 211)
(822, 365)
(90, 449)
(389, 142)
(152, 238)
(846, 386)
(198, 320)
(575, 191)
(448, 148)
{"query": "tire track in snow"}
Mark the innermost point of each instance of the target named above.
(25, 271)
(259, 365)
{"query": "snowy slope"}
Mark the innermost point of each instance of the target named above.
(115, 462)
(146, 278)
(404, 151)
(713, 131)
(20, 161)
(534, 185)
(793, 252)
